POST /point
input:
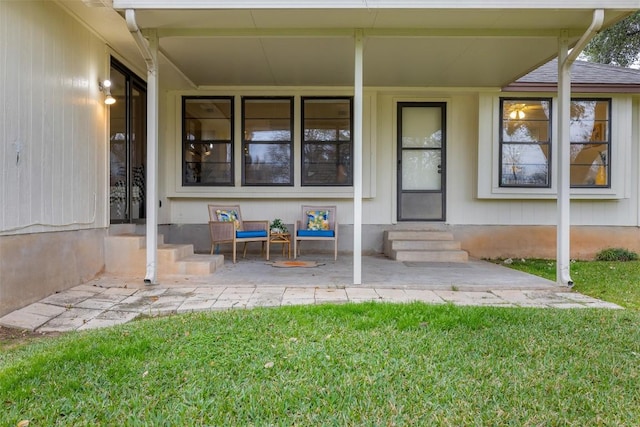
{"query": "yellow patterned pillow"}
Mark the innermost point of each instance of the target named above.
(317, 220)
(228, 216)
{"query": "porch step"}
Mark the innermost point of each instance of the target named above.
(199, 265)
(418, 235)
(125, 254)
(423, 246)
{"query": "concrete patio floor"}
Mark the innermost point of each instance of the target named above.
(377, 271)
(253, 282)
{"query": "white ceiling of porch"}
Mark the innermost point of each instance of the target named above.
(408, 47)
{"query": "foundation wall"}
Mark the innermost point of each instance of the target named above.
(481, 241)
(540, 241)
(33, 266)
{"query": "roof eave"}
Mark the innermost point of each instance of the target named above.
(575, 87)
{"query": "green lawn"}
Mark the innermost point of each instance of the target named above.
(617, 282)
(353, 364)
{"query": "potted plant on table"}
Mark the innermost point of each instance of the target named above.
(277, 227)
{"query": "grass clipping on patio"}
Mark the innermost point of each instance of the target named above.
(352, 364)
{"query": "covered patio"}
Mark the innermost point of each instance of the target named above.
(196, 47)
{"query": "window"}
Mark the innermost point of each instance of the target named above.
(525, 143)
(207, 141)
(590, 142)
(327, 148)
(267, 129)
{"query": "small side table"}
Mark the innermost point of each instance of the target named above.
(284, 239)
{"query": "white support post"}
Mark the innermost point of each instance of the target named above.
(149, 50)
(563, 165)
(152, 165)
(357, 161)
(565, 60)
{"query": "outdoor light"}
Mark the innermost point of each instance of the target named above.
(105, 86)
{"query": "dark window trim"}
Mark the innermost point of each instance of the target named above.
(303, 142)
(132, 81)
(291, 100)
(608, 141)
(231, 141)
(501, 142)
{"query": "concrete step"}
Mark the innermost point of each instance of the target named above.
(430, 256)
(199, 265)
(118, 229)
(417, 235)
(131, 240)
(424, 245)
(168, 253)
(125, 254)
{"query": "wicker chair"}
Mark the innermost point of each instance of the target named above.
(316, 223)
(226, 226)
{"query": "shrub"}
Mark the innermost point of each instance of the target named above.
(616, 254)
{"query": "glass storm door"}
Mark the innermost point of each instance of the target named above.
(128, 146)
(421, 161)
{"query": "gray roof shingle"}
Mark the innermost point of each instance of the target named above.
(585, 76)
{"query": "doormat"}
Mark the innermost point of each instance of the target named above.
(289, 264)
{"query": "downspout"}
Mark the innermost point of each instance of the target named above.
(149, 51)
(565, 61)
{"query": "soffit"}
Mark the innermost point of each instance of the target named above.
(402, 47)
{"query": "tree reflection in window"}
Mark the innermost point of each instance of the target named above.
(590, 142)
(525, 142)
(326, 141)
(267, 125)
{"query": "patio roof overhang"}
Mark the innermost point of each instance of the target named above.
(383, 43)
(469, 43)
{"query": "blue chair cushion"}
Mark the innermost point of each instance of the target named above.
(249, 234)
(316, 233)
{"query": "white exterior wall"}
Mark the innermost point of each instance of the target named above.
(617, 206)
(52, 121)
(188, 205)
(53, 152)
(471, 152)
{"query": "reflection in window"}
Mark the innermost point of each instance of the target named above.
(525, 142)
(207, 129)
(590, 142)
(326, 141)
(267, 128)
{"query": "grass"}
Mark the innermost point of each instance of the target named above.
(617, 282)
(353, 364)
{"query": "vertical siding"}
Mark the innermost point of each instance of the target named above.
(52, 113)
(622, 211)
(465, 166)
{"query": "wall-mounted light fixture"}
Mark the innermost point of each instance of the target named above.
(105, 86)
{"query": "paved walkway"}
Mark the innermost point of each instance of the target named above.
(108, 301)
